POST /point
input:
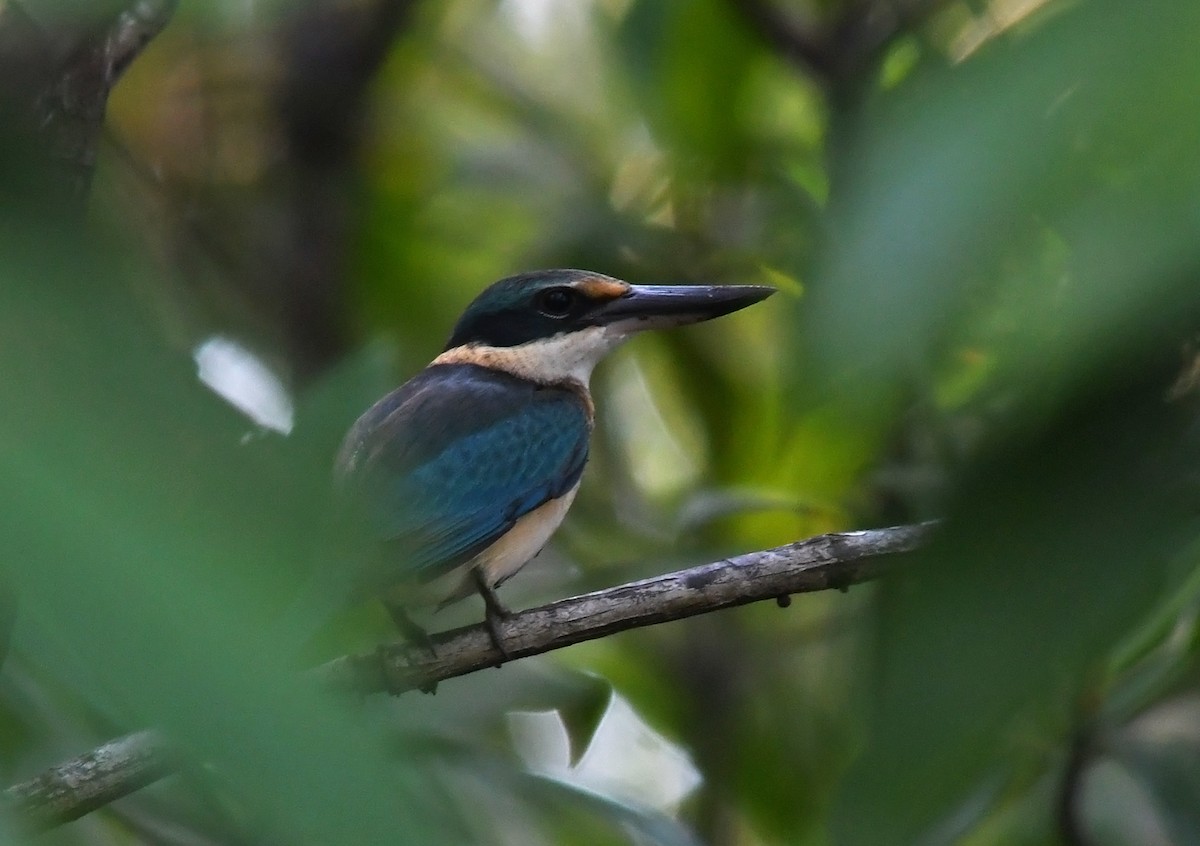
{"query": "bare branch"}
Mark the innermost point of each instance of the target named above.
(820, 563)
(81, 785)
(131, 31)
(72, 109)
(61, 101)
(833, 561)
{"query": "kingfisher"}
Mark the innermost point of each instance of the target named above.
(468, 468)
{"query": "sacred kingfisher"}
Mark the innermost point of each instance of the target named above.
(467, 469)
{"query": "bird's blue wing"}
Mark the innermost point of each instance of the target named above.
(452, 459)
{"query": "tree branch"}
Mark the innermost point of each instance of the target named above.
(77, 787)
(833, 561)
(820, 563)
(60, 101)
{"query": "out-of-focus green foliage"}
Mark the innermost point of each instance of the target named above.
(983, 218)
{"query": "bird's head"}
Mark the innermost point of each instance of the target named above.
(555, 324)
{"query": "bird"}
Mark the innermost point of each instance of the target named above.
(467, 469)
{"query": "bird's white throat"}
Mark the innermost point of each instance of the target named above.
(568, 356)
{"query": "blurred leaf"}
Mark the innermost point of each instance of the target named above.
(9, 605)
(995, 238)
(581, 715)
(1160, 749)
(708, 506)
(1116, 809)
(690, 63)
(984, 642)
(643, 825)
(1080, 124)
(141, 543)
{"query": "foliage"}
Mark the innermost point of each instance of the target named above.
(983, 224)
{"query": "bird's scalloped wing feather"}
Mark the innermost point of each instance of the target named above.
(452, 459)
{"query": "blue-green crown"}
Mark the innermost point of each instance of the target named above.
(526, 307)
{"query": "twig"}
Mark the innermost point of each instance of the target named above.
(833, 561)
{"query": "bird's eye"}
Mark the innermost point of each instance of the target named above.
(556, 302)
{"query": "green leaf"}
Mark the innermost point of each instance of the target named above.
(991, 635)
(690, 64)
(146, 540)
(1034, 198)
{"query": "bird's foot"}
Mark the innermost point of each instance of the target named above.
(493, 621)
(415, 636)
(409, 630)
(496, 613)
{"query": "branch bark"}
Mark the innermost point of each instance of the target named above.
(820, 563)
(77, 787)
(832, 561)
(59, 101)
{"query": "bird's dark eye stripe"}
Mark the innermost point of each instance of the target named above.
(556, 302)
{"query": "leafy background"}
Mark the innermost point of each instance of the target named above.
(983, 219)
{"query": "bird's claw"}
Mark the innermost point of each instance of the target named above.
(492, 622)
(496, 613)
(410, 631)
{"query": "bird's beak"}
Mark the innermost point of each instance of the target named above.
(664, 306)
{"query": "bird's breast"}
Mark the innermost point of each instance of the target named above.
(524, 540)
